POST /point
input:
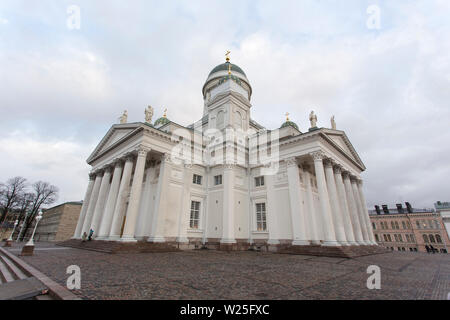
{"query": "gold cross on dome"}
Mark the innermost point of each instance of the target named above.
(287, 116)
(227, 55)
(165, 113)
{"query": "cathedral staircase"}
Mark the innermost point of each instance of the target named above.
(20, 281)
(338, 252)
(114, 247)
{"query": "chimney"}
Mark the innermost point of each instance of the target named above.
(377, 209)
(385, 209)
(399, 208)
(409, 207)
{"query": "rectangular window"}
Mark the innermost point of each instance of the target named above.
(197, 179)
(259, 181)
(218, 180)
(374, 226)
(195, 215)
(261, 224)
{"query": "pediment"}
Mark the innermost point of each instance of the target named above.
(341, 141)
(118, 132)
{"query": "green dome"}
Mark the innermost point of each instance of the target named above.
(161, 121)
(224, 67)
(290, 123)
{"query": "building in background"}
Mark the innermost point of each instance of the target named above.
(409, 229)
(58, 223)
(443, 209)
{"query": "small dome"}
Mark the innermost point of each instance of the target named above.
(161, 121)
(289, 123)
(225, 66)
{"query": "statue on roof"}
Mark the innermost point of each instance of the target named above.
(333, 123)
(124, 117)
(149, 114)
(313, 120)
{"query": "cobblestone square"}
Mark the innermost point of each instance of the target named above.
(208, 274)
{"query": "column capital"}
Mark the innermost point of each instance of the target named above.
(99, 172)
(291, 162)
(338, 169)
(108, 167)
(345, 174)
(229, 166)
(167, 158)
(328, 163)
(142, 151)
(353, 179)
(117, 162)
(359, 182)
(317, 155)
(92, 175)
(129, 156)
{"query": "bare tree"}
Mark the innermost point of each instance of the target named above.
(43, 194)
(10, 193)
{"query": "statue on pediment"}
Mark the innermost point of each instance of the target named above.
(313, 120)
(149, 114)
(124, 117)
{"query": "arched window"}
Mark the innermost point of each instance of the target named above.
(432, 239)
(425, 238)
(438, 239)
(404, 224)
(237, 120)
(392, 225)
(396, 225)
(418, 224)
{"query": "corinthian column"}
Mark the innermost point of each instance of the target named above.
(365, 213)
(119, 210)
(105, 225)
(327, 220)
(353, 209)
(298, 219)
(157, 226)
(135, 197)
(100, 205)
(228, 205)
(313, 218)
(365, 234)
(346, 217)
(335, 204)
(92, 203)
(87, 197)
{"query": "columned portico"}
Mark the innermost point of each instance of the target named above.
(365, 212)
(327, 220)
(120, 207)
(157, 225)
(92, 202)
(100, 205)
(353, 209)
(299, 230)
(314, 219)
(135, 197)
(362, 222)
(335, 205)
(87, 197)
(346, 216)
(108, 214)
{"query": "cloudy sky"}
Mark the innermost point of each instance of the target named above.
(389, 87)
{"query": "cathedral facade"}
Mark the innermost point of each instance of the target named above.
(225, 181)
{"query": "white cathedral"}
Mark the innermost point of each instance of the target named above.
(225, 182)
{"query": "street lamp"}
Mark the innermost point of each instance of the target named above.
(20, 231)
(10, 239)
(28, 249)
(14, 229)
(38, 218)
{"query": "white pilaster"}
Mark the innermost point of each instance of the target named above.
(92, 202)
(365, 213)
(228, 205)
(135, 197)
(87, 197)
(338, 223)
(119, 209)
(184, 214)
(105, 225)
(298, 219)
(353, 209)
(327, 220)
(313, 218)
(346, 217)
(158, 219)
(272, 222)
